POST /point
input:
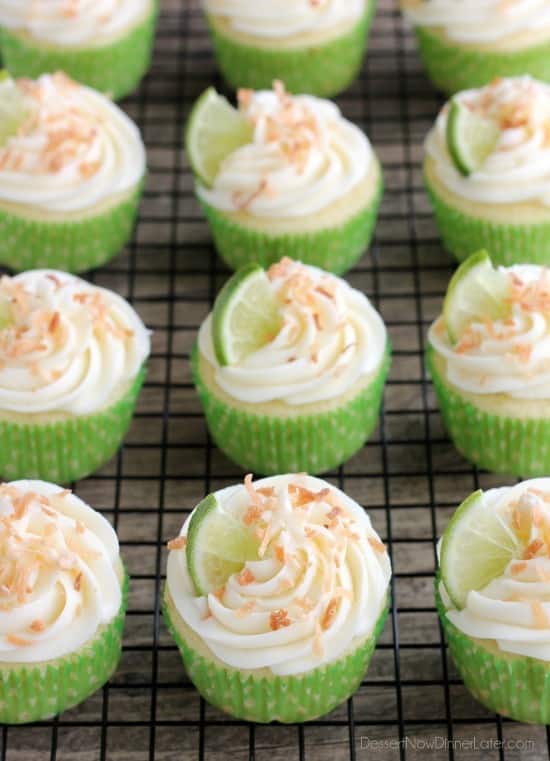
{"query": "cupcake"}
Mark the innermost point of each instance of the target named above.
(71, 367)
(487, 172)
(63, 589)
(284, 176)
(106, 45)
(465, 44)
(489, 357)
(290, 369)
(276, 593)
(317, 47)
(493, 598)
(72, 167)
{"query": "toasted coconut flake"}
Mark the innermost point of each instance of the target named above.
(533, 549)
(377, 545)
(246, 577)
(279, 619)
(178, 543)
(37, 626)
(330, 613)
(15, 639)
(518, 568)
(540, 618)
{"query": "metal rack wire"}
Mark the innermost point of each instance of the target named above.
(408, 476)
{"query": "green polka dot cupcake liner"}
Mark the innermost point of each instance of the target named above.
(335, 249)
(38, 691)
(69, 449)
(322, 69)
(115, 68)
(263, 699)
(463, 234)
(514, 686)
(453, 67)
(499, 443)
(311, 443)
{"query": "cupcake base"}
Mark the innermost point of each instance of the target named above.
(322, 68)
(294, 442)
(38, 691)
(265, 697)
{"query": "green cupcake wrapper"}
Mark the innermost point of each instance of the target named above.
(323, 69)
(312, 443)
(115, 69)
(66, 450)
(463, 234)
(500, 443)
(287, 699)
(334, 249)
(511, 685)
(75, 246)
(37, 691)
(453, 67)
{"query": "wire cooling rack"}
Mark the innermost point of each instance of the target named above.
(411, 705)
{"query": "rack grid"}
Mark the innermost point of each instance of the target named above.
(408, 476)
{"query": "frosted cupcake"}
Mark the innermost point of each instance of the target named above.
(315, 47)
(466, 44)
(72, 166)
(63, 590)
(290, 369)
(71, 367)
(104, 44)
(487, 171)
(493, 598)
(284, 176)
(276, 593)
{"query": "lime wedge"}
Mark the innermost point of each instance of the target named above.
(476, 548)
(218, 545)
(470, 137)
(13, 109)
(477, 291)
(246, 315)
(214, 130)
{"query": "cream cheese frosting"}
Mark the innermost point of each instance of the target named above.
(65, 345)
(518, 169)
(60, 572)
(304, 156)
(320, 581)
(74, 151)
(277, 19)
(72, 23)
(331, 336)
(514, 609)
(505, 356)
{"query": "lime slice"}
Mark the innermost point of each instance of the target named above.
(476, 548)
(246, 315)
(477, 291)
(214, 130)
(13, 109)
(470, 137)
(218, 545)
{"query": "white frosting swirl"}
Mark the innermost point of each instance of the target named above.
(304, 156)
(514, 609)
(285, 18)
(320, 581)
(480, 21)
(507, 356)
(72, 23)
(330, 337)
(75, 150)
(518, 169)
(65, 345)
(60, 572)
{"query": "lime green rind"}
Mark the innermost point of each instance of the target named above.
(325, 69)
(287, 699)
(336, 249)
(34, 692)
(498, 443)
(115, 69)
(513, 686)
(452, 67)
(304, 443)
(508, 244)
(75, 246)
(68, 450)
